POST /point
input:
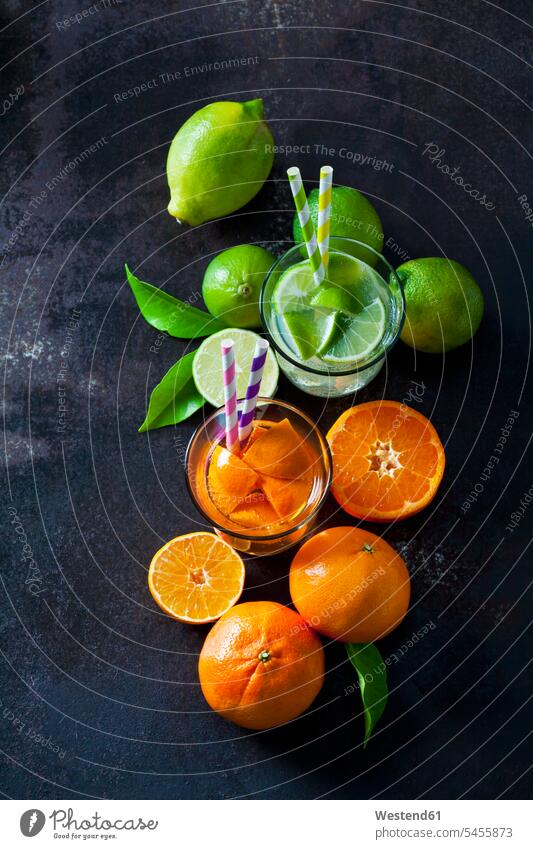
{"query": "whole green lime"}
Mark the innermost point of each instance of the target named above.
(352, 217)
(444, 304)
(218, 160)
(232, 283)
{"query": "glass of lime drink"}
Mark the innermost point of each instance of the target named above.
(332, 338)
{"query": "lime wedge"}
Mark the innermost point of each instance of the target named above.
(207, 366)
(328, 297)
(309, 330)
(294, 288)
(355, 335)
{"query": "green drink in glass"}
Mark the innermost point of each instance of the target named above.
(332, 338)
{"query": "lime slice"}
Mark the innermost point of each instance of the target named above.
(356, 335)
(310, 330)
(207, 366)
(294, 288)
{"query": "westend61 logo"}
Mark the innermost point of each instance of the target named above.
(32, 822)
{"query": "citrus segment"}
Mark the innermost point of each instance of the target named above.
(388, 461)
(357, 335)
(294, 288)
(229, 480)
(196, 577)
(309, 330)
(287, 497)
(261, 665)
(334, 298)
(254, 512)
(258, 430)
(279, 452)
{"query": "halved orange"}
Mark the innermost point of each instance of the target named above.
(196, 577)
(388, 461)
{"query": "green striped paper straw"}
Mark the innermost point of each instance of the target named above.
(324, 212)
(302, 209)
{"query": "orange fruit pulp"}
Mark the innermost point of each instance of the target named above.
(388, 461)
(350, 585)
(267, 484)
(261, 665)
(196, 577)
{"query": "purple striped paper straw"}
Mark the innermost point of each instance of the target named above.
(252, 391)
(230, 394)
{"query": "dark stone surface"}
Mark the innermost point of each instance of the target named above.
(89, 662)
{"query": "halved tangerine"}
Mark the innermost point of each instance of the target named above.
(196, 577)
(388, 461)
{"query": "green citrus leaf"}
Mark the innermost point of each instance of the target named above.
(164, 312)
(175, 398)
(372, 674)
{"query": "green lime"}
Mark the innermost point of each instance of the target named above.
(309, 330)
(352, 217)
(207, 366)
(356, 335)
(232, 282)
(219, 159)
(444, 304)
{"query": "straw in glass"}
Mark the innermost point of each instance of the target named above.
(230, 394)
(302, 209)
(254, 383)
(324, 212)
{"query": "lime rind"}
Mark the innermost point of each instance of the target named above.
(207, 366)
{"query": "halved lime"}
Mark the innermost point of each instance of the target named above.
(207, 366)
(356, 335)
(309, 330)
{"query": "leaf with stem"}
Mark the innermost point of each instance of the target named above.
(166, 313)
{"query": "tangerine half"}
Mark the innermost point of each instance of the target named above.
(388, 461)
(196, 577)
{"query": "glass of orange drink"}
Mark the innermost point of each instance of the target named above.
(265, 496)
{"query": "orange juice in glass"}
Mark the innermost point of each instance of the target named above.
(265, 497)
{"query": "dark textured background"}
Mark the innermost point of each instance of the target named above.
(100, 695)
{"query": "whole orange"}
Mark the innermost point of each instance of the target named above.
(261, 665)
(350, 585)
